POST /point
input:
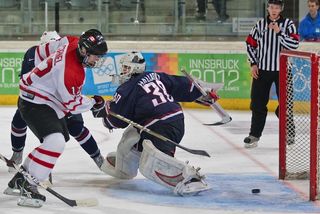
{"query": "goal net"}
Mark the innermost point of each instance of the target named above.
(299, 118)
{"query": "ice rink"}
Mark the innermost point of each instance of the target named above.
(232, 171)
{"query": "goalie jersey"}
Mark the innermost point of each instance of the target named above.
(150, 98)
(58, 78)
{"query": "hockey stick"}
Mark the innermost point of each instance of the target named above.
(82, 203)
(221, 112)
(142, 128)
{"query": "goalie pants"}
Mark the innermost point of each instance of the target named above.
(173, 130)
(260, 93)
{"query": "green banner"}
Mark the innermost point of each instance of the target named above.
(227, 68)
(10, 66)
(230, 69)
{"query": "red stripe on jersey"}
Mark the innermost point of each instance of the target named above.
(251, 41)
(41, 96)
(34, 93)
(28, 81)
(47, 152)
(70, 101)
(41, 162)
(47, 50)
(295, 36)
(38, 52)
(79, 104)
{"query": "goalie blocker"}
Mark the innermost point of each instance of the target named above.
(181, 178)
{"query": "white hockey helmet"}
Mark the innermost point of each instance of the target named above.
(131, 64)
(48, 36)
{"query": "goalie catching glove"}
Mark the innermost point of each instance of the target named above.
(99, 108)
(207, 100)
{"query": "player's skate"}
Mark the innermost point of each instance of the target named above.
(29, 195)
(17, 159)
(251, 142)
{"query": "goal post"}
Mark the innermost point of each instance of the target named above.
(299, 118)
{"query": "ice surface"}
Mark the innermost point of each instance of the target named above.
(232, 171)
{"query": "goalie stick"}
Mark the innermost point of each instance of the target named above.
(225, 117)
(142, 128)
(81, 203)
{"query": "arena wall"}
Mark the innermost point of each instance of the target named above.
(163, 47)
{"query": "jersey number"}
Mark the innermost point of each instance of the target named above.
(40, 73)
(157, 88)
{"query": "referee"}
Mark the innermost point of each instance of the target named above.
(264, 43)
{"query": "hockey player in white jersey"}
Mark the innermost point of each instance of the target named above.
(49, 43)
(51, 91)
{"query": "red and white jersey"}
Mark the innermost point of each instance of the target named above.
(44, 51)
(57, 82)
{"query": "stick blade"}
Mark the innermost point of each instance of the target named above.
(89, 202)
(199, 152)
(222, 122)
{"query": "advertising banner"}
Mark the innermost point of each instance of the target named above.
(230, 69)
(10, 66)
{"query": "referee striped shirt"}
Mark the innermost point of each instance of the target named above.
(264, 44)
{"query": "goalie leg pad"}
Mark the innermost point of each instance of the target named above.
(124, 163)
(129, 164)
(170, 172)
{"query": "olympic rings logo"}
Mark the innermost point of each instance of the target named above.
(301, 77)
(105, 69)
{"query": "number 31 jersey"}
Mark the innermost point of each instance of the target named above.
(150, 98)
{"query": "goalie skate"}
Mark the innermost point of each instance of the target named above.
(192, 184)
(167, 171)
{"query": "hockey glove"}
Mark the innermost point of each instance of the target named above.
(98, 109)
(208, 99)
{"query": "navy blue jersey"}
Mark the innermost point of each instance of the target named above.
(151, 98)
(28, 60)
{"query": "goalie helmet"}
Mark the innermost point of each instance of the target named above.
(131, 64)
(48, 36)
(91, 42)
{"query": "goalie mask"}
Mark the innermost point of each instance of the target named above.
(48, 36)
(130, 64)
(91, 48)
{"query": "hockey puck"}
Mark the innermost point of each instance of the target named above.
(255, 191)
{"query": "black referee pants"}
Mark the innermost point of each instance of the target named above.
(260, 93)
